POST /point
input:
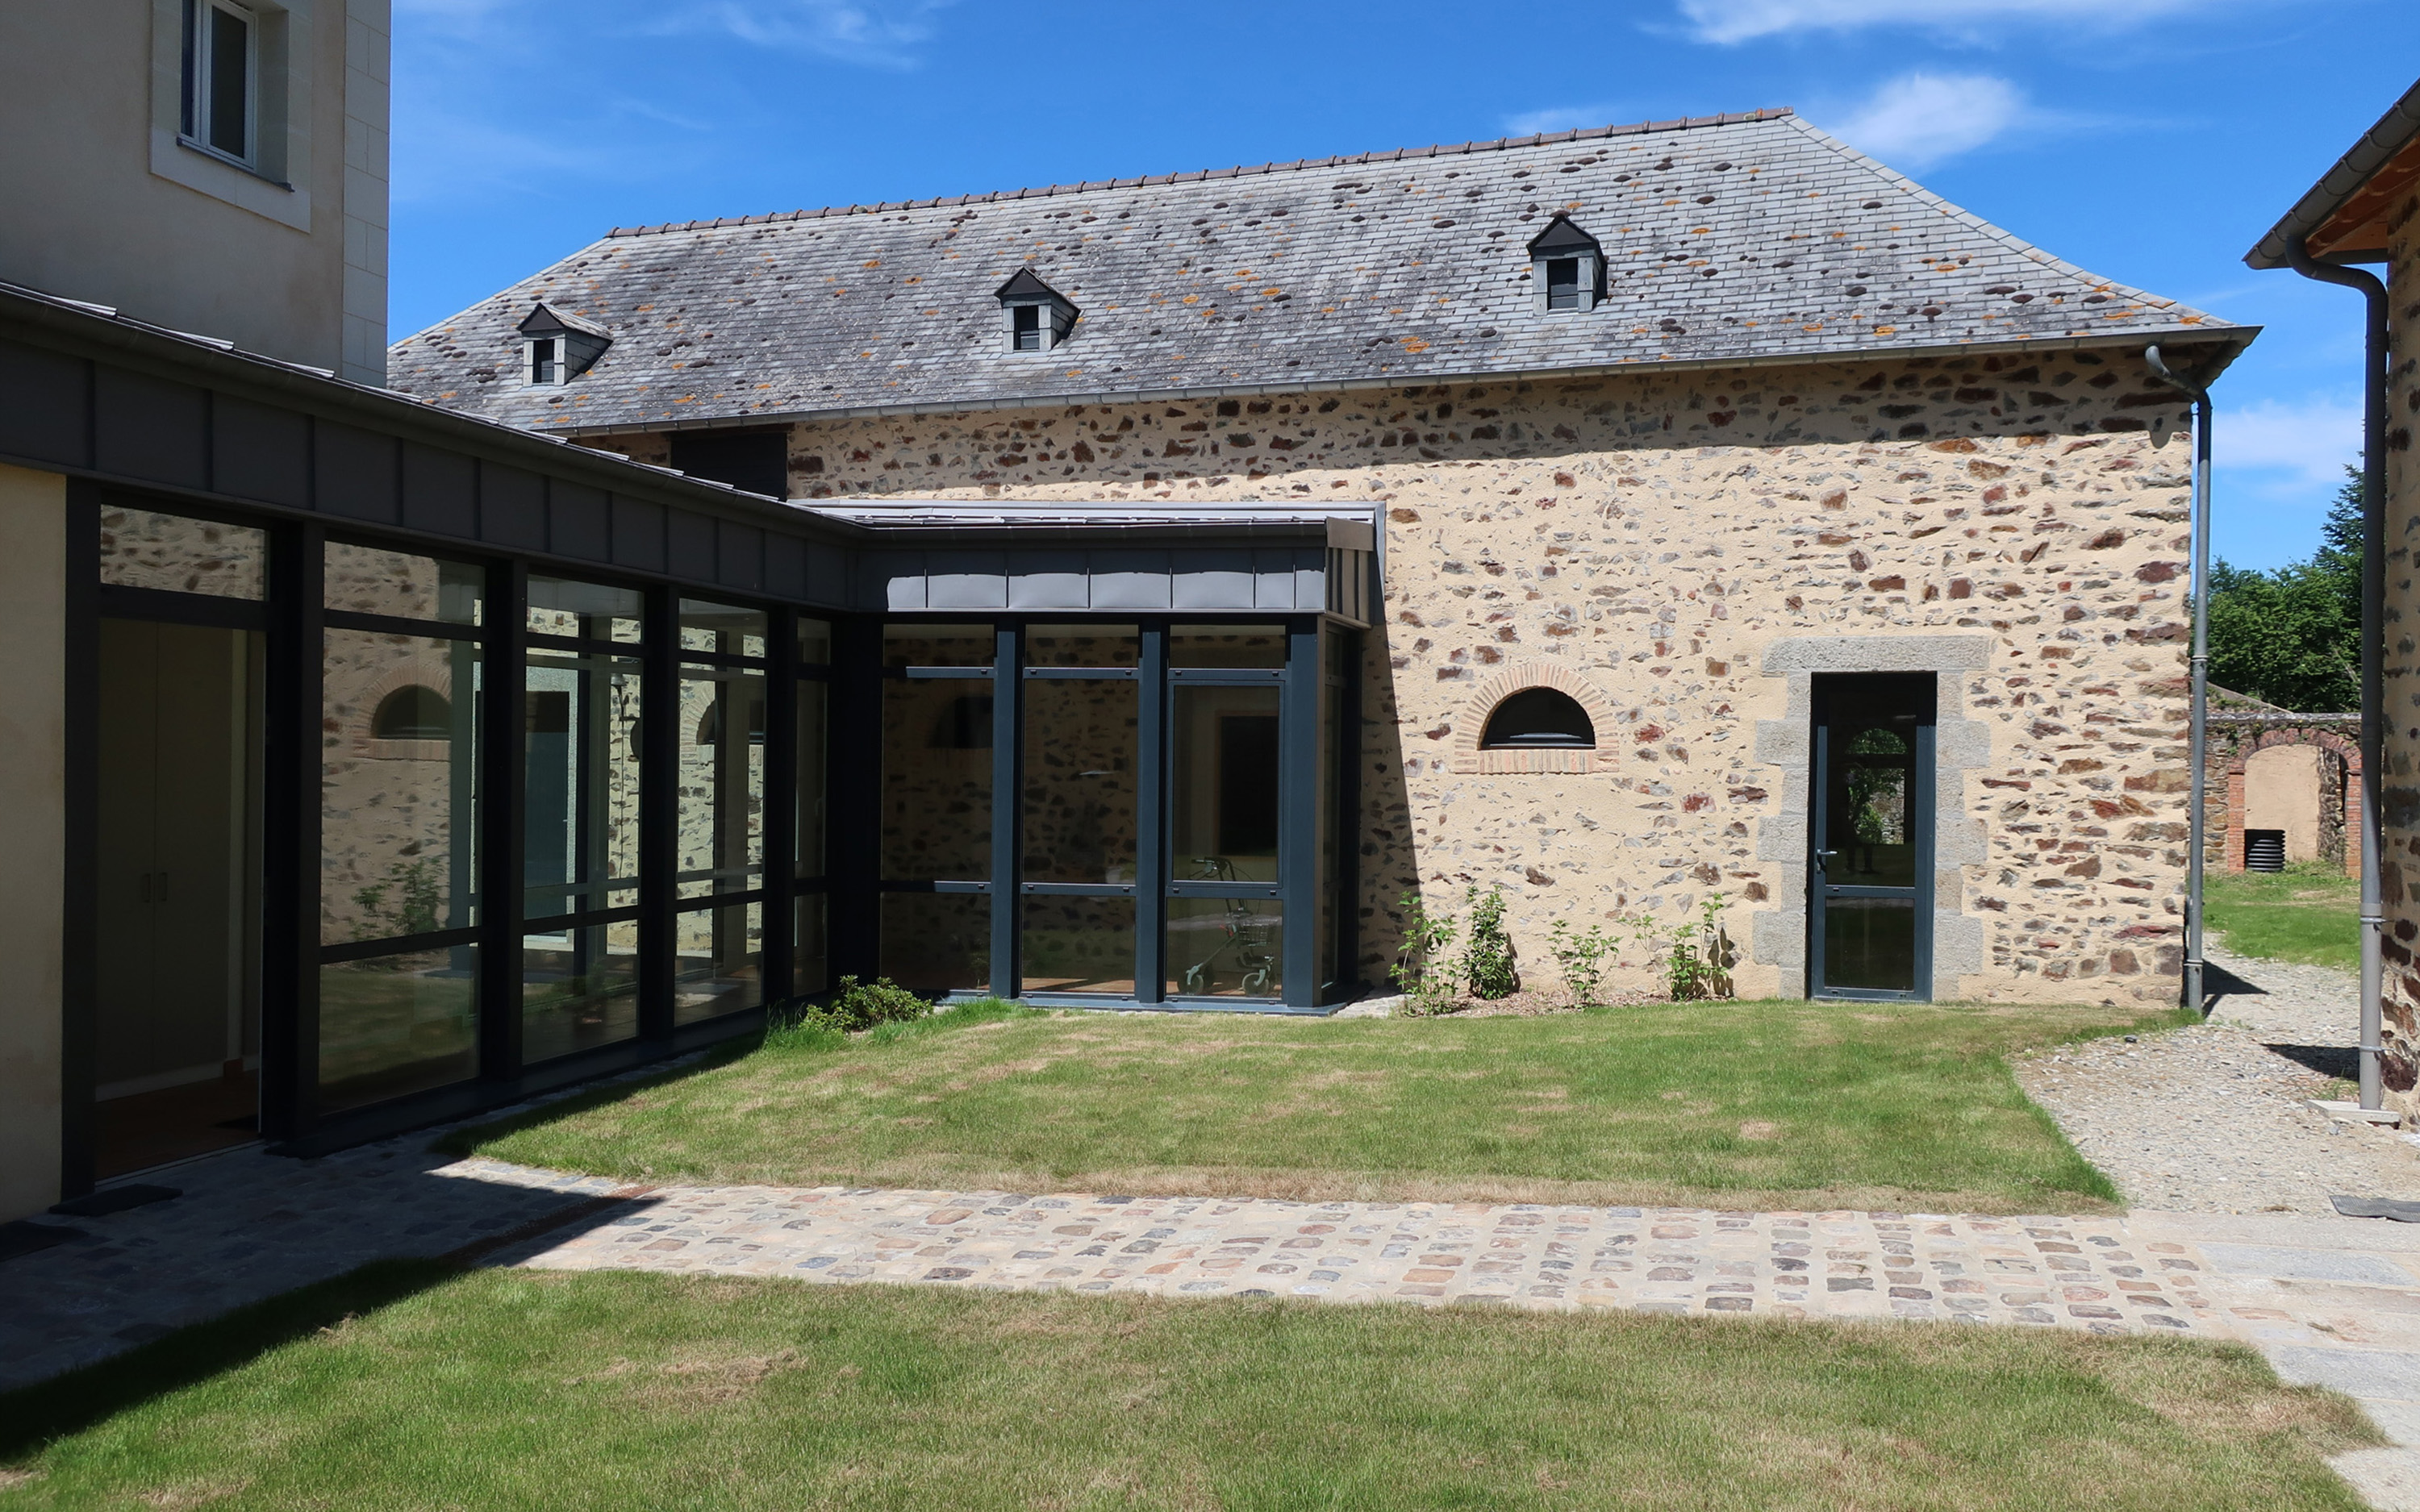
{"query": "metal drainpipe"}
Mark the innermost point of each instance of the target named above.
(2198, 744)
(2373, 620)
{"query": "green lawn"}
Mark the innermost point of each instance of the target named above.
(406, 1386)
(1786, 1105)
(2308, 913)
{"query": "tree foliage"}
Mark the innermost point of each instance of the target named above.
(2293, 636)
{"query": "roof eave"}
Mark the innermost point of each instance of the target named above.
(2233, 338)
(2378, 147)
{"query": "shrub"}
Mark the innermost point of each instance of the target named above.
(1697, 963)
(1583, 955)
(1423, 967)
(1487, 963)
(861, 1006)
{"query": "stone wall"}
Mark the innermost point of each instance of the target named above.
(1695, 547)
(2400, 793)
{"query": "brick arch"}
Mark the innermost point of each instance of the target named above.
(1520, 676)
(2345, 750)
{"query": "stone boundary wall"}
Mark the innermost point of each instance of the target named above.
(1658, 540)
(2235, 738)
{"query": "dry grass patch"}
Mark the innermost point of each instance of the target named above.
(505, 1390)
(1736, 1104)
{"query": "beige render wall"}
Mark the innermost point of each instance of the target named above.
(33, 833)
(104, 205)
(2399, 793)
(1695, 545)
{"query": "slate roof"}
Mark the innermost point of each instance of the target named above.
(1734, 239)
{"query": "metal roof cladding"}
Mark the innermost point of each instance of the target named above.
(1729, 239)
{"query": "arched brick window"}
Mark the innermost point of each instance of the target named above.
(1533, 717)
(413, 712)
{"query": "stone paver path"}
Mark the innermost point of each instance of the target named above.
(2084, 1273)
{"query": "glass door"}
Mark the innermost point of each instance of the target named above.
(1868, 912)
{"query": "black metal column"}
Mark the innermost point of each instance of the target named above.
(1151, 819)
(79, 876)
(853, 839)
(659, 810)
(1299, 777)
(780, 813)
(1007, 728)
(290, 905)
(504, 828)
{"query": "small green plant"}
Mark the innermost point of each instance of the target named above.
(1697, 963)
(863, 1005)
(1583, 955)
(1423, 966)
(417, 898)
(1487, 960)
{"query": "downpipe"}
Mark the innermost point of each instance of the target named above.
(2198, 744)
(2373, 620)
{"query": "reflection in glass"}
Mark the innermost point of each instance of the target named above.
(1079, 945)
(1083, 645)
(397, 1023)
(399, 814)
(936, 941)
(717, 958)
(1869, 822)
(810, 947)
(938, 645)
(814, 642)
(721, 847)
(580, 989)
(812, 698)
(1335, 758)
(1226, 947)
(937, 780)
(175, 553)
(1080, 755)
(582, 787)
(586, 612)
(1223, 783)
(1227, 645)
(366, 580)
(724, 628)
(1869, 943)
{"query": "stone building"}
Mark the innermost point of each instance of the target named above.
(1746, 520)
(2366, 209)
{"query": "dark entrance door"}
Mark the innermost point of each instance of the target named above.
(1870, 910)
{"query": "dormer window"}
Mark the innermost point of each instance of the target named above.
(558, 348)
(1567, 267)
(1035, 317)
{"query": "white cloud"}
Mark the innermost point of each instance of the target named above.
(1741, 21)
(1918, 119)
(1561, 118)
(881, 34)
(2301, 441)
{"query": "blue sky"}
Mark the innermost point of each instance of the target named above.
(2151, 141)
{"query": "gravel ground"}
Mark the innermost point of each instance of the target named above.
(2209, 1119)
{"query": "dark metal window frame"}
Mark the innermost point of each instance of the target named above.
(295, 618)
(1301, 681)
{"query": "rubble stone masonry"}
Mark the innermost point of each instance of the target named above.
(1692, 546)
(2401, 790)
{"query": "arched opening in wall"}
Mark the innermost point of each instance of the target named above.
(412, 712)
(2283, 804)
(709, 725)
(1537, 718)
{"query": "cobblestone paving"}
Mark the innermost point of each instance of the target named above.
(2085, 1272)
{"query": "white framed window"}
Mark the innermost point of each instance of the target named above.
(1034, 318)
(221, 101)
